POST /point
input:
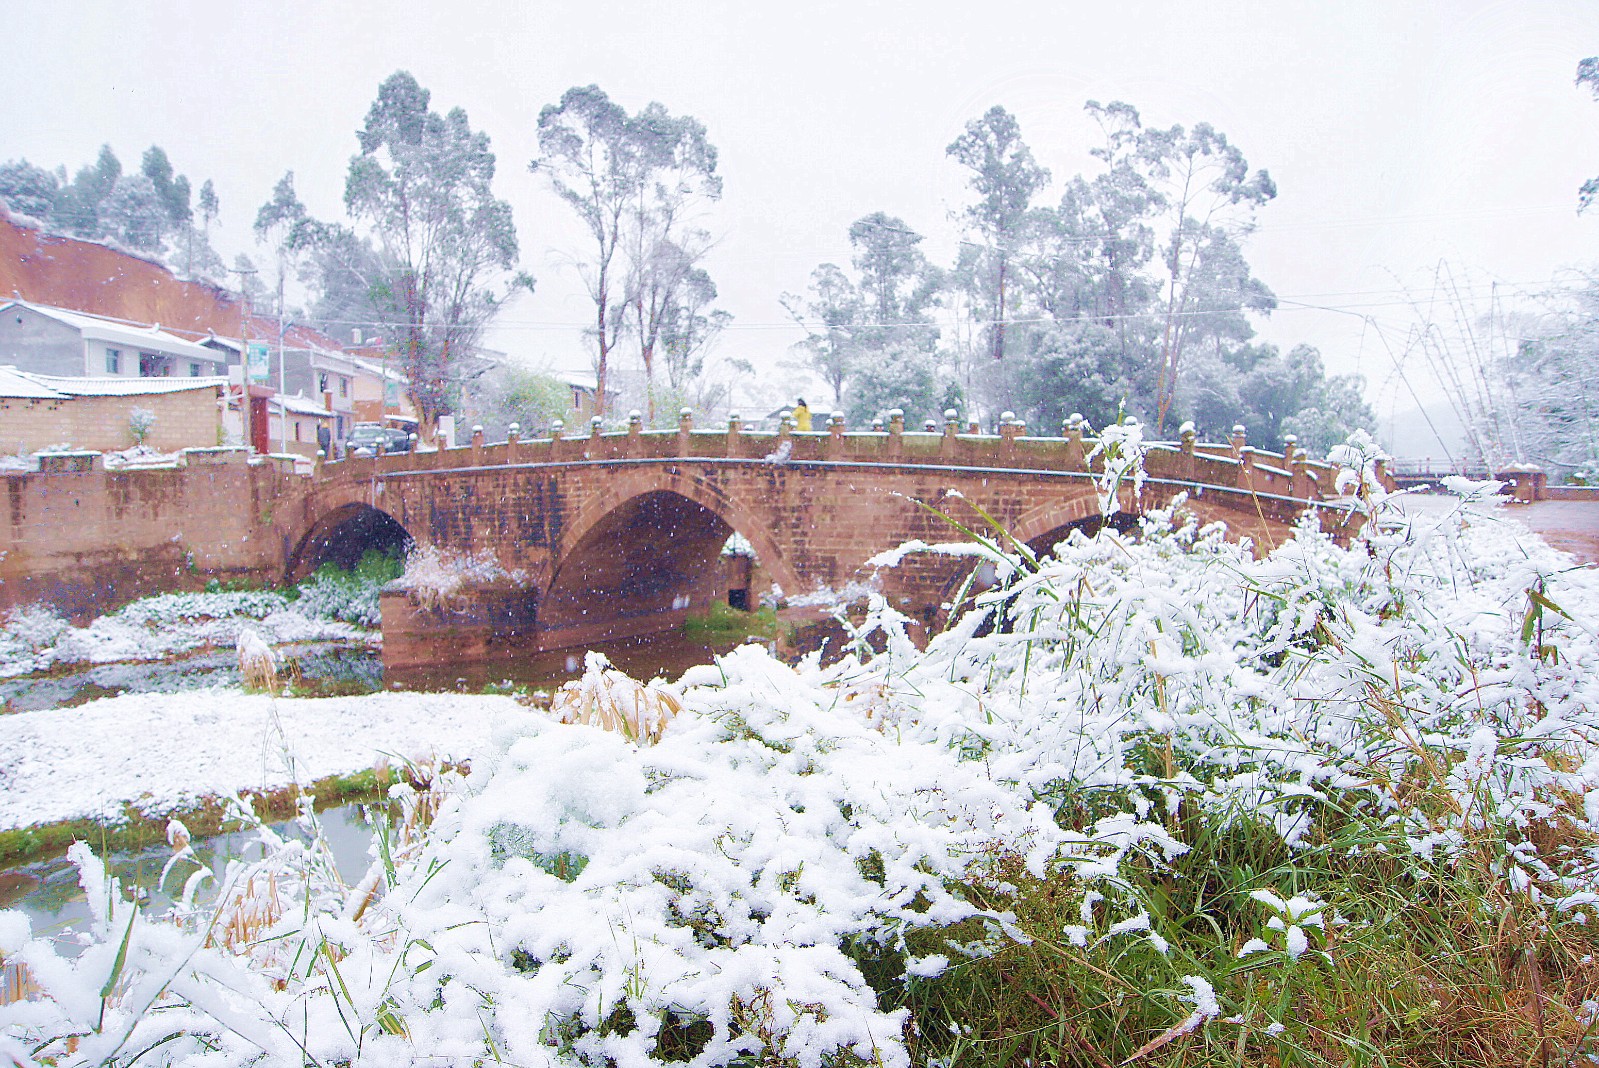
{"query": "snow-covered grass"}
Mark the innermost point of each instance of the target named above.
(1152, 801)
(332, 605)
(163, 753)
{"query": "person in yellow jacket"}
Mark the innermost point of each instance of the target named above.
(802, 416)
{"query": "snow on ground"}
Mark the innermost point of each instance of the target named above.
(162, 752)
(583, 899)
(36, 638)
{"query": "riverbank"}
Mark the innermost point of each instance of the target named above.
(143, 757)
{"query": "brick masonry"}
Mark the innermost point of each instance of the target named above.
(598, 536)
(182, 419)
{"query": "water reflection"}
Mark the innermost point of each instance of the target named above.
(49, 894)
(330, 669)
(323, 669)
(646, 657)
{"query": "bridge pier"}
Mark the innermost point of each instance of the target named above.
(474, 624)
(489, 623)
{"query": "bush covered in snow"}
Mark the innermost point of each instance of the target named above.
(434, 576)
(36, 637)
(1151, 798)
(352, 596)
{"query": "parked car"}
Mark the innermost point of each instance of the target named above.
(375, 438)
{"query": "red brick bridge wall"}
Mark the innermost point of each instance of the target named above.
(617, 534)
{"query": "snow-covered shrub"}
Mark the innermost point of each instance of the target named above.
(26, 637)
(160, 626)
(608, 699)
(1108, 766)
(1120, 450)
(351, 596)
(434, 576)
(141, 421)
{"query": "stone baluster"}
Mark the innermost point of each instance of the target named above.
(1246, 467)
(735, 430)
(477, 446)
(1076, 451)
(952, 427)
(557, 431)
(1237, 441)
(513, 439)
(1188, 437)
(973, 425)
(635, 431)
(1303, 484)
(685, 431)
(1010, 428)
(896, 433)
(835, 436)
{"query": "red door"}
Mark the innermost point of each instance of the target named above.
(260, 438)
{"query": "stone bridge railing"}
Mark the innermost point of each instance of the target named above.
(1233, 464)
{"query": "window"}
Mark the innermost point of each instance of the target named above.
(321, 381)
(194, 369)
(344, 386)
(113, 361)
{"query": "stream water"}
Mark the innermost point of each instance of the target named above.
(48, 890)
(49, 893)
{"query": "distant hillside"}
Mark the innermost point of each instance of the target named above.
(64, 271)
(85, 276)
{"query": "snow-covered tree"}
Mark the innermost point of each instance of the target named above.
(27, 189)
(637, 183)
(1005, 178)
(422, 185)
(134, 214)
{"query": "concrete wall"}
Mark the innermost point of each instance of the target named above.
(188, 419)
(33, 342)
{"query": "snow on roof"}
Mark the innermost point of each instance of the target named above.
(15, 383)
(382, 370)
(130, 334)
(126, 386)
(581, 379)
(298, 405)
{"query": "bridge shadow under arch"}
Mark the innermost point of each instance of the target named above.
(344, 535)
(644, 565)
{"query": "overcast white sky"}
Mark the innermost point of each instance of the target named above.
(1400, 134)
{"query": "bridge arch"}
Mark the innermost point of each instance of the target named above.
(343, 535)
(644, 554)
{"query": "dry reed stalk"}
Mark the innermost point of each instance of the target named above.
(258, 665)
(253, 909)
(610, 700)
(16, 982)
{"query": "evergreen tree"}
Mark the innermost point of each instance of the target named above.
(27, 190)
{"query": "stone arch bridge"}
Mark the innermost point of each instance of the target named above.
(618, 534)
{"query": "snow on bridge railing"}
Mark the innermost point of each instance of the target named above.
(1232, 464)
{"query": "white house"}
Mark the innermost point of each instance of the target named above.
(57, 341)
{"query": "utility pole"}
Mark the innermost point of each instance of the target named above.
(283, 413)
(244, 350)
